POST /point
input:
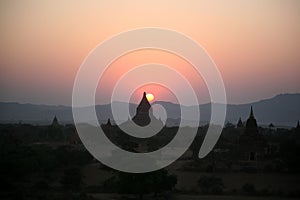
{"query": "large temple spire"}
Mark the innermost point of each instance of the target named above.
(142, 116)
(251, 113)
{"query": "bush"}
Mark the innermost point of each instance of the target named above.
(140, 184)
(249, 169)
(72, 179)
(249, 189)
(264, 192)
(41, 185)
(211, 185)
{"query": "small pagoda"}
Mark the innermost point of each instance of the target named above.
(252, 144)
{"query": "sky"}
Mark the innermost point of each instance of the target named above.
(255, 45)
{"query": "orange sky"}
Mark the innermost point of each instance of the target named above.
(255, 44)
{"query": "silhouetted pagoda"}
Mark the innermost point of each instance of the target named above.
(251, 125)
(55, 121)
(143, 116)
(240, 124)
(137, 124)
(252, 144)
(297, 128)
(108, 122)
(143, 112)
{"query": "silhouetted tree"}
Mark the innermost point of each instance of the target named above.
(140, 184)
(289, 152)
(211, 185)
(72, 179)
(249, 189)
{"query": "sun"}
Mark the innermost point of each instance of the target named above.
(150, 97)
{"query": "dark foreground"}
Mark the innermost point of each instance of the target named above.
(45, 162)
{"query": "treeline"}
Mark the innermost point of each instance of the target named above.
(35, 171)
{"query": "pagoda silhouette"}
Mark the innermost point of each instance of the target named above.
(252, 144)
(143, 116)
(55, 122)
(240, 124)
(141, 123)
(143, 112)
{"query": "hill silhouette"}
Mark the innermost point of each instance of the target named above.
(281, 110)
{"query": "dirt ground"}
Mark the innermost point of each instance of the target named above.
(187, 181)
(284, 182)
(187, 197)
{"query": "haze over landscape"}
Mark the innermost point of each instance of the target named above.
(281, 110)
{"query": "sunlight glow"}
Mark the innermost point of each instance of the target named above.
(150, 97)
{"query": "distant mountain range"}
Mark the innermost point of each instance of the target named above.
(281, 110)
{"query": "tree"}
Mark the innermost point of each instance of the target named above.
(161, 181)
(72, 179)
(289, 152)
(211, 185)
(249, 189)
(145, 183)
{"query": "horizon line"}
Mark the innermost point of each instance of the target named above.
(98, 104)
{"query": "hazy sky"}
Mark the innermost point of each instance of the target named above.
(255, 44)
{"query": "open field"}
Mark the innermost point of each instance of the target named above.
(275, 182)
(187, 181)
(195, 197)
(188, 197)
